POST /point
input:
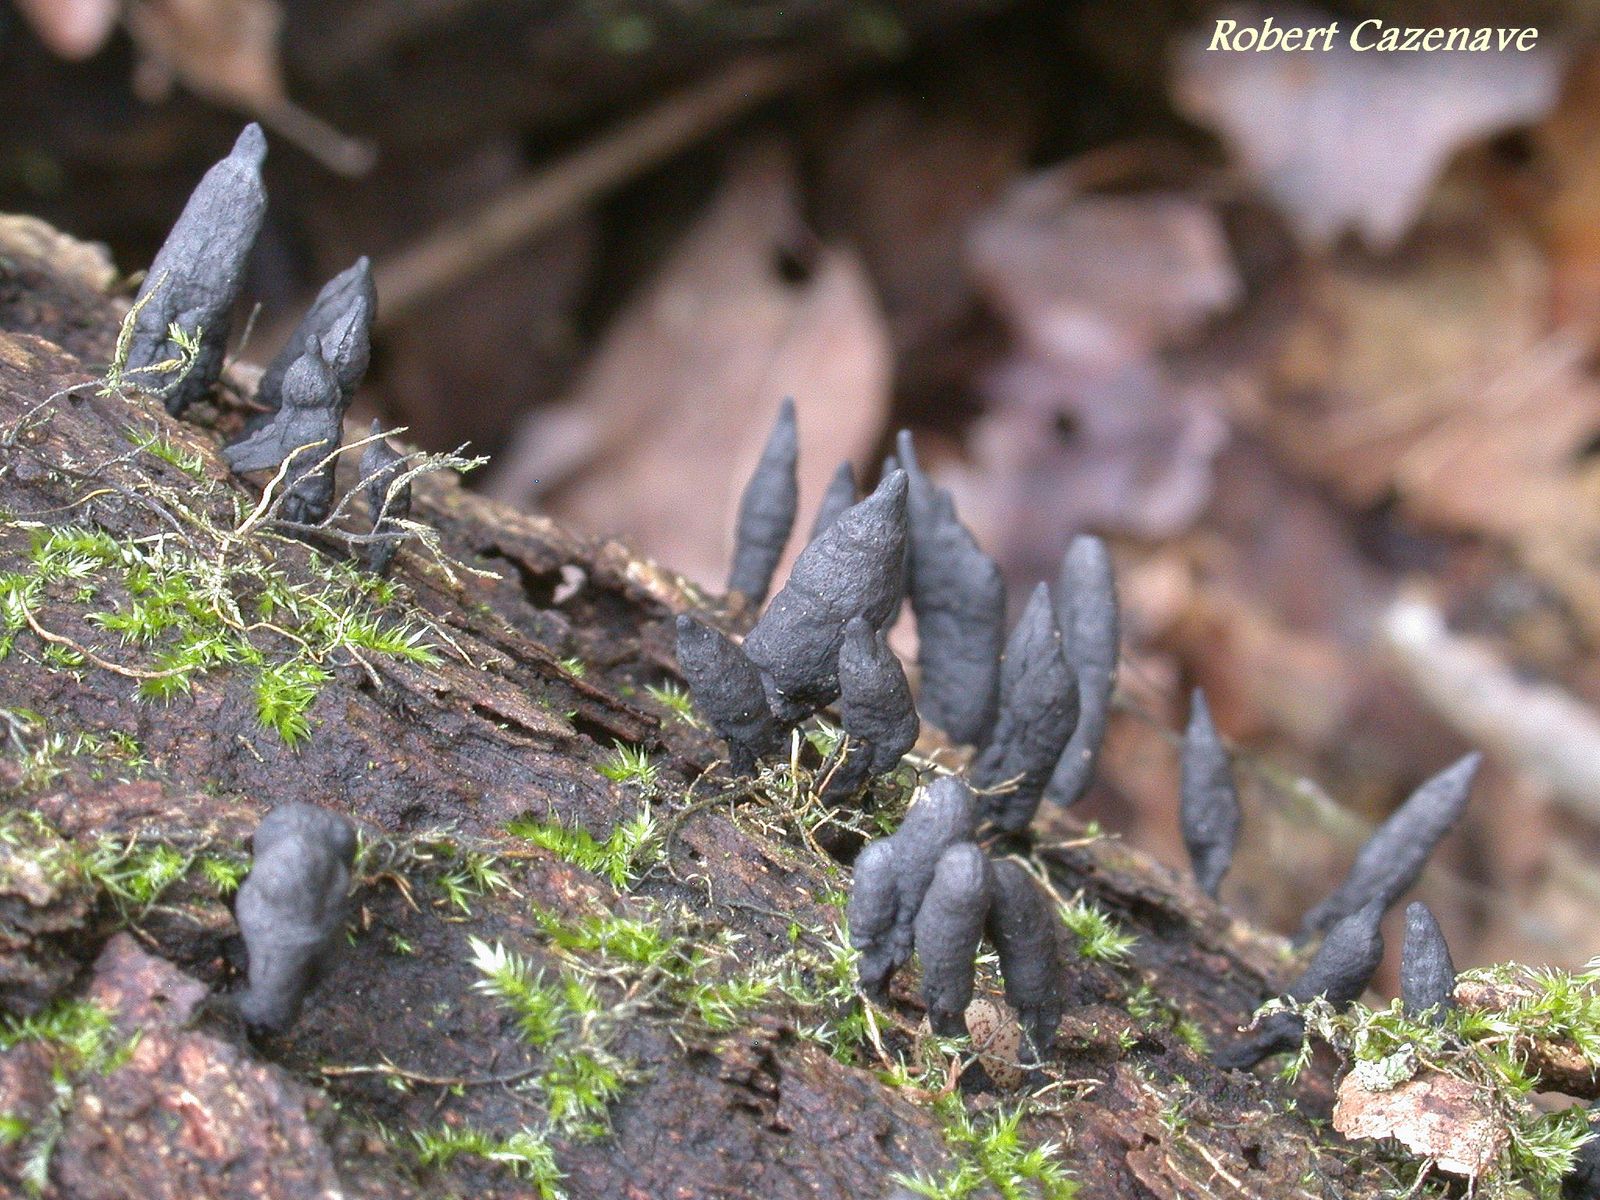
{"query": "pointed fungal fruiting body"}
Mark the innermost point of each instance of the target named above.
(342, 314)
(1427, 974)
(875, 705)
(291, 909)
(1209, 803)
(871, 913)
(1340, 971)
(1023, 928)
(949, 925)
(1038, 709)
(195, 279)
(728, 692)
(307, 429)
(1086, 609)
(1393, 857)
(381, 467)
(852, 570)
(1345, 962)
(960, 600)
(943, 815)
(766, 511)
(840, 495)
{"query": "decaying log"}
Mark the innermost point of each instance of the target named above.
(432, 760)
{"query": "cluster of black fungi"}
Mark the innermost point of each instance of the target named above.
(192, 289)
(1033, 704)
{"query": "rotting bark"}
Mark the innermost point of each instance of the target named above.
(433, 761)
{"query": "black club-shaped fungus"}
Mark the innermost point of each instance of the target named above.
(766, 511)
(892, 875)
(728, 692)
(1393, 857)
(840, 495)
(381, 467)
(874, 707)
(291, 909)
(1038, 708)
(1086, 609)
(195, 279)
(340, 318)
(872, 912)
(949, 925)
(960, 601)
(1340, 971)
(305, 431)
(852, 570)
(1427, 974)
(1209, 803)
(1023, 928)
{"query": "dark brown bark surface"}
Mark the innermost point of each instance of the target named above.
(433, 761)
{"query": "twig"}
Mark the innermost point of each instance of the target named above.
(394, 1072)
(525, 210)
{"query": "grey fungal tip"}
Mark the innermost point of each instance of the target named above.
(1392, 859)
(852, 570)
(1086, 608)
(767, 511)
(949, 926)
(1209, 802)
(728, 692)
(381, 466)
(1038, 710)
(312, 417)
(1427, 974)
(342, 316)
(195, 279)
(1340, 971)
(871, 913)
(875, 707)
(291, 909)
(841, 493)
(1023, 929)
(960, 601)
(892, 876)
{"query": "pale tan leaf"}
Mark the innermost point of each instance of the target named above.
(1342, 138)
(74, 29)
(659, 436)
(1434, 1115)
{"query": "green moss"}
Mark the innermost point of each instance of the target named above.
(182, 612)
(676, 700)
(632, 846)
(630, 764)
(527, 1154)
(990, 1153)
(1099, 935)
(83, 1041)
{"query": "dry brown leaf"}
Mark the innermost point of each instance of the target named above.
(1431, 381)
(1088, 424)
(1062, 448)
(227, 51)
(74, 29)
(1101, 280)
(1433, 1115)
(1343, 138)
(658, 438)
